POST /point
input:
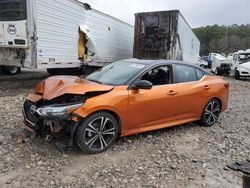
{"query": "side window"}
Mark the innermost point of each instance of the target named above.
(235, 57)
(199, 74)
(184, 74)
(158, 76)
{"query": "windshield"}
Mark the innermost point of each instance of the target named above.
(244, 57)
(117, 73)
(13, 10)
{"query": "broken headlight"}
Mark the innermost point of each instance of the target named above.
(58, 111)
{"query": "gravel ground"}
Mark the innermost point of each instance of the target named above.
(184, 156)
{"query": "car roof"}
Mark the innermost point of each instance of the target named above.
(151, 63)
(154, 62)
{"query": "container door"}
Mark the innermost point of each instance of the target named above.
(15, 34)
(13, 16)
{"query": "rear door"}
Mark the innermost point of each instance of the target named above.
(151, 107)
(15, 34)
(193, 92)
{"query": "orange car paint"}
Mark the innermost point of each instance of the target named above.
(140, 110)
(58, 85)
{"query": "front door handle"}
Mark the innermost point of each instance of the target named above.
(206, 87)
(172, 92)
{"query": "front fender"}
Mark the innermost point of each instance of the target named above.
(115, 101)
(85, 111)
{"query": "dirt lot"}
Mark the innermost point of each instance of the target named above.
(184, 156)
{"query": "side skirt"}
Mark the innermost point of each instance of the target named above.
(157, 126)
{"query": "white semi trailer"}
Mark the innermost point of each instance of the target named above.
(59, 35)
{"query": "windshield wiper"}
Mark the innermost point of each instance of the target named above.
(96, 81)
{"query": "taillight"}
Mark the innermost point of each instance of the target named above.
(226, 85)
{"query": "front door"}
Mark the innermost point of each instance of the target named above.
(158, 105)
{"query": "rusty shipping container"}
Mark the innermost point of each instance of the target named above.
(165, 35)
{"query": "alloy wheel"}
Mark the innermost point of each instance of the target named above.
(212, 112)
(99, 134)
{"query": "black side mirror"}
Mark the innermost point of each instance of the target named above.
(142, 84)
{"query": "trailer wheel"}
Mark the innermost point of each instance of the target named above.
(11, 70)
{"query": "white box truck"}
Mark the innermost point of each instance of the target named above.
(59, 34)
(165, 35)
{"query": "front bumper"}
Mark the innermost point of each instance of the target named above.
(30, 120)
(35, 121)
(245, 73)
(35, 124)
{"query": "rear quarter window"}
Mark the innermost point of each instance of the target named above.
(185, 73)
(199, 74)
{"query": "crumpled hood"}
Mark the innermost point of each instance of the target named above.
(59, 85)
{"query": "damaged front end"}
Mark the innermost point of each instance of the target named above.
(50, 106)
(53, 118)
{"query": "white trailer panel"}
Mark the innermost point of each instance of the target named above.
(50, 34)
(58, 23)
(190, 44)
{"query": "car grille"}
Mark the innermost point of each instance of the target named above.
(29, 110)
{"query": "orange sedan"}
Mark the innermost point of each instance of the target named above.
(124, 98)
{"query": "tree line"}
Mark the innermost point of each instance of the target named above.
(223, 39)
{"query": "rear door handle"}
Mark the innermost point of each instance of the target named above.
(172, 92)
(206, 87)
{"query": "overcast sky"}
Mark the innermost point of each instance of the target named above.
(196, 12)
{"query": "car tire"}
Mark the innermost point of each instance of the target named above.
(202, 66)
(11, 70)
(211, 113)
(97, 133)
(217, 71)
(237, 75)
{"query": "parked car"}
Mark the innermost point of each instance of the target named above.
(220, 64)
(241, 64)
(202, 63)
(124, 98)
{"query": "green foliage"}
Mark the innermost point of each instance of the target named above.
(223, 39)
